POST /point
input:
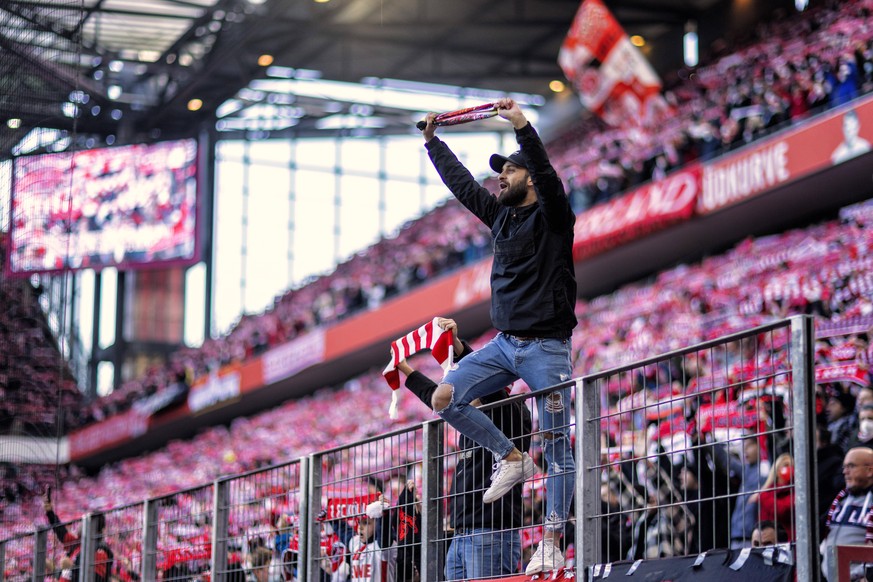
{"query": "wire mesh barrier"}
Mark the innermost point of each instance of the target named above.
(662, 442)
(117, 550)
(477, 540)
(179, 535)
(17, 555)
(364, 515)
(257, 519)
(700, 460)
(59, 545)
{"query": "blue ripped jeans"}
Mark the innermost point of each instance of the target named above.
(541, 363)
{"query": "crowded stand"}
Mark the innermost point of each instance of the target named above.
(35, 381)
(821, 270)
(443, 240)
(796, 68)
(734, 100)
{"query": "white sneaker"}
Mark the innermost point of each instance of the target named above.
(547, 558)
(508, 475)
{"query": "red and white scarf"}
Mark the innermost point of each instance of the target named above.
(429, 336)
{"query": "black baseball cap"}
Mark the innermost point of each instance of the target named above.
(496, 162)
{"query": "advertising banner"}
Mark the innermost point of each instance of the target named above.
(286, 360)
(216, 388)
(833, 139)
(647, 209)
(110, 432)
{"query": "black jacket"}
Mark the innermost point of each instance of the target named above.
(473, 470)
(533, 282)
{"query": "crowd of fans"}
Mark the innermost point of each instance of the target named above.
(796, 67)
(821, 269)
(35, 381)
(738, 98)
(444, 239)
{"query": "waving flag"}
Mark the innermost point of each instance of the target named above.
(612, 77)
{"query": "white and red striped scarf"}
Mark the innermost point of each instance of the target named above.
(429, 336)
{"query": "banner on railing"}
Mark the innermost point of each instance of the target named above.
(110, 432)
(217, 388)
(649, 208)
(833, 139)
(286, 360)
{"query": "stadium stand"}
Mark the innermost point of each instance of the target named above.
(31, 367)
(740, 97)
(758, 281)
(822, 269)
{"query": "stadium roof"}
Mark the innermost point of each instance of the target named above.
(129, 68)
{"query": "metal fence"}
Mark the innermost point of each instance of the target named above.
(17, 558)
(664, 440)
(658, 444)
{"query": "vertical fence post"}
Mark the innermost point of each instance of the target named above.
(432, 559)
(310, 530)
(86, 552)
(588, 482)
(39, 554)
(304, 493)
(220, 513)
(149, 541)
(803, 425)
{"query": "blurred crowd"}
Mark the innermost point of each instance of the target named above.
(821, 269)
(795, 67)
(740, 96)
(35, 381)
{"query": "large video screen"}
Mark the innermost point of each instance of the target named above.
(124, 207)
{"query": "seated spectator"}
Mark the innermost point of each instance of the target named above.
(851, 513)
(753, 476)
(767, 533)
(863, 437)
(829, 467)
(259, 562)
(373, 556)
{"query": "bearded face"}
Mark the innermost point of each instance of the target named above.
(513, 185)
(513, 194)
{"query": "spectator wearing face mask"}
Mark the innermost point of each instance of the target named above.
(863, 437)
(776, 500)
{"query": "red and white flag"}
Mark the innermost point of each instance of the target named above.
(429, 336)
(613, 78)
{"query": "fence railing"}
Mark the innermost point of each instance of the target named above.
(658, 443)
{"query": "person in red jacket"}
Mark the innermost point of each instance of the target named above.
(776, 499)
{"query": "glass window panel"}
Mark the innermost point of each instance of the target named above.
(359, 214)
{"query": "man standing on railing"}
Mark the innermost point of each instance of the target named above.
(486, 541)
(533, 293)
